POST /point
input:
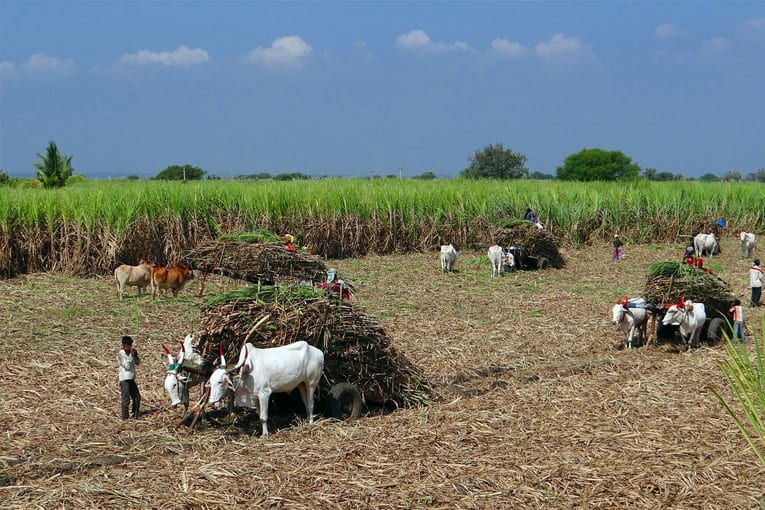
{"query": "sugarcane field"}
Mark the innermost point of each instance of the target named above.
(473, 390)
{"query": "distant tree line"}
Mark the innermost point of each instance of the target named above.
(494, 161)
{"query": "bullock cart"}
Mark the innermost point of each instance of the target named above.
(532, 248)
(669, 283)
(361, 368)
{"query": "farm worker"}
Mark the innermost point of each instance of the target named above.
(616, 254)
(529, 214)
(689, 251)
(755, 282)
(738, 321)
(128, 359)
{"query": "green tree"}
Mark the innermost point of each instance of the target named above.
(709, 178)
(539, 176)
(598, 165)
(5, 179)
(294, 176)
(731, 176)
(496, 162)
(55, 168)
(180, 173)
(425, 176)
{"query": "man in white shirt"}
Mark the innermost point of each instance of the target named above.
(128, 359)
(755, 282)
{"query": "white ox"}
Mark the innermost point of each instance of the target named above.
(690, 317)
(448, 257)
(748, 241)
(133, 276)
(179, 379)
(496, 256)
(266, 371)
(705, 243)
(631, 317)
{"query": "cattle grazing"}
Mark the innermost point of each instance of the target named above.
(748, 241)
(448, 257)
(266, 371)
(631, 317)
(705, 244)
(690, 318)
(173, 278)
(496, 256)
(133, 276)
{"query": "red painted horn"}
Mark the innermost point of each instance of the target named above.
(167, 351)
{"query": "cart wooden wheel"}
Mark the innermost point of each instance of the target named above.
(344, 401)
(715, 331)
(543, 263)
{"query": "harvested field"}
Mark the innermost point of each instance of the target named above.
(534, 404)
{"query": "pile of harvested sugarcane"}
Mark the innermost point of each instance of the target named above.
(356, 348)
(258, 259)
(535, 241)
(668, 282)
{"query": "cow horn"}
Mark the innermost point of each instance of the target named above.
(682, 302)
(170, 360)
(222, 357)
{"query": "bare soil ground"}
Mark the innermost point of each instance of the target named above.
(534, 404)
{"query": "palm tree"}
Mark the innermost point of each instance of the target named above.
(54, 169)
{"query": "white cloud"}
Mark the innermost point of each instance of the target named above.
(715, 45)
(563, 49)
(667, 31)
(182, 56)
(285, 51)
(6, 67)
(509, 49)
(418, 40)
(40, 63)
(753, 30)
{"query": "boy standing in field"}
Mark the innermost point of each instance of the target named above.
(738, 321)
(755, 282)
(128, 359)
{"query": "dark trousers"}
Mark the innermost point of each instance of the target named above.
(756, 293)
(129, 391)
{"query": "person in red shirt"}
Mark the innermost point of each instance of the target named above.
(738, 321)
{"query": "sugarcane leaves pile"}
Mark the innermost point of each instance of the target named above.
(668, 282)
(535, 241)
(258, 257)
(356, 348)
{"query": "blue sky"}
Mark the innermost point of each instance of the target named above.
(373, 88)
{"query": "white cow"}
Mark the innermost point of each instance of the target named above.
(690, 317)
(134, 276)
(748, 241)
(705, 243)
(266, 371)
(183, 374)
(448, 256)
(631, 317)
(496, 256)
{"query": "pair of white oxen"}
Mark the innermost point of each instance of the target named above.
(631, 315)
(497, 256)
(259, 373)
(706, 244)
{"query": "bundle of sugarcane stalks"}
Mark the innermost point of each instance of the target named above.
(356, 348)
(535, 241)
(251, 259)
(669, 282)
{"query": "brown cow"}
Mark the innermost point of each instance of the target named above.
(134, 276)
(173, 278)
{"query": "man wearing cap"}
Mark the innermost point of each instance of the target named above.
(128, 358)
(755, 281)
